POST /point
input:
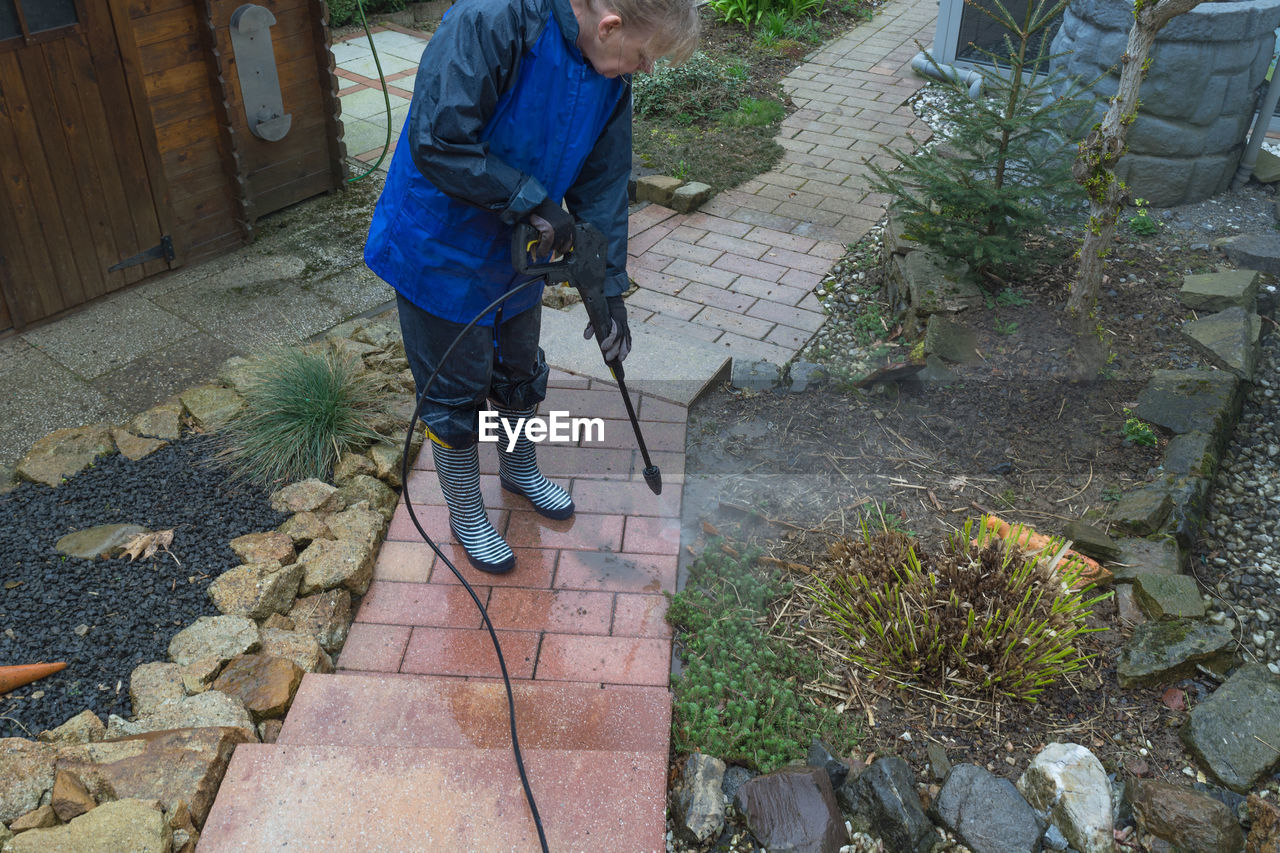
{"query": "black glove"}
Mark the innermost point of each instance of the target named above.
(616, 346)
(554, 226)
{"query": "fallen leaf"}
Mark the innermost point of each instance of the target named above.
(710, 529)
(145, 545)
(1174, 699)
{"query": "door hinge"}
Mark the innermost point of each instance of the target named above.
(164, 249)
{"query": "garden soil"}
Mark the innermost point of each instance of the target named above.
(1018, 431)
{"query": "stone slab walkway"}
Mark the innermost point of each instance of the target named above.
(406, 747)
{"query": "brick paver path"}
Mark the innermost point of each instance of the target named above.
(406, 747)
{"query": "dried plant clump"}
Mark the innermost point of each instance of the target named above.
(983, 618)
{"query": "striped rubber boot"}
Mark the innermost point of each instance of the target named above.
(518, 471)
(459, 472)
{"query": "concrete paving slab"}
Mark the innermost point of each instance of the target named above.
(355, 290)
(402, 45)
(391, 64)
(361, 135)
(369, 104)
(183, 363)
(674, 369)
(77, 341)
(350, 50)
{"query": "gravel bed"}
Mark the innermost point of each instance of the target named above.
(105, 617)
(1238, 558)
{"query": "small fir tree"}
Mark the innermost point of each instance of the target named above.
(1005, 169)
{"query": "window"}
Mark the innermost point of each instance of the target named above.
(962, 29)
(27, 18)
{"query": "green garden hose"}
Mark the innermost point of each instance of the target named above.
(386, 98)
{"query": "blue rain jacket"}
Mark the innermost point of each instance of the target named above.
(506, 112)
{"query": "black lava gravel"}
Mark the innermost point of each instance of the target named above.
(131, 610)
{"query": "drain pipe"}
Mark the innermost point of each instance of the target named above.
(1263, 123)
(926, 66)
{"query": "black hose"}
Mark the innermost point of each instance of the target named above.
(404, 480)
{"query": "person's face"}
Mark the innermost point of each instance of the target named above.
(614, 49)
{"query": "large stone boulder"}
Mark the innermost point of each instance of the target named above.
(1066, 783)
(329, 564)
(1169, 596)
(378, 495)
(214, 636)
(1185, 818)
(325, 616)
(358, 524)
(307, 496)
(986, 812)
(64, 453)
(1225, 730)
(211, 708)
(884, 798)
(152, 685)
(101, 540)
(265, 684)
(793, 809)
(297, 646)
(162, 421)
(264, 547)
(70, 797)
(26, 773)
(182, 766)
(84, 727)
(136, 826)
(1186, 400)
(211, 406)
(698, 800)
(1166, 651)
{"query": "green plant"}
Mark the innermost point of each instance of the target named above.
(756, 112)
(746, 13)
(343, 12)
(1111, 494)
(1010, 298)
(700, 88)
(1142, 223)
(304, 408)
(982, 618)
(1006, 327)
(1137, 431)
(1005, 168)
(739, 695)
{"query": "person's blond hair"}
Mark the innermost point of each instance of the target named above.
(674, 23)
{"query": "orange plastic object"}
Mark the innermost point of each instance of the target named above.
(13, 677)
(1091, 571)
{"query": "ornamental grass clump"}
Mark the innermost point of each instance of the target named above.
(982, 619)
(303, 410)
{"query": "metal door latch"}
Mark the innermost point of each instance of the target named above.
(256, 64)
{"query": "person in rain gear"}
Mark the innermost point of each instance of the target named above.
(518, 106)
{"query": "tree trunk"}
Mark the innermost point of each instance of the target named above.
(1095, 164)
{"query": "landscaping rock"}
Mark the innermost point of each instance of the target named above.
(1227, 731)
(326, 616)
(805, 375)
(177, 769)
(358, 524)
(152, 685)
(939, 764)
(1185, 818)
(1066, 783)
(734, 778)
(698, 800)
(657, 188)
(328, 564)
(84, 727)
(930, 285)
(953, 341)
(135, 447)
(1164, 652)
(304, 528)
(351, 463)
(1228, 338)
(38, 818)
(690, 197)
(1127, 605)
(264, 683)
(70, 798)
(755, 375)
(885, 796)
(161, 421)
(793, 809)
(102, 540)
(1186, 400)
(1191, 454)
(64, 453)
(263, 547)
(302, 649)
(307, 496)
(377, 494)
(381, 335)
(894, 238)
(388, 459)
(198, 676)
(136, 826)
(1218, 291)
(1169, 596)
(257, 590)
(1142, 511)
(26, 773)
(222, 637)
(986, 812)
(1148, 556)
(1255, 251)
(240, 373)
(1264, 835)
(209, 709)
(821, 756)
(1091, 541)
(211, 406)
(278, 621)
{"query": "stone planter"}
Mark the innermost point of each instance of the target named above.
(1199, 96)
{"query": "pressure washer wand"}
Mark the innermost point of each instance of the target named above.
(583, 268)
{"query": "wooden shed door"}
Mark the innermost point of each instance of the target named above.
(79, 171)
